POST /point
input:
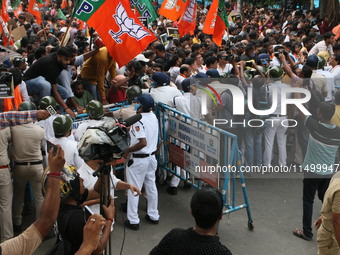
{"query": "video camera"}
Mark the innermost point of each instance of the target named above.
(106, 140)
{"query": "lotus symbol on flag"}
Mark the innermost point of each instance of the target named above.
(127, 25)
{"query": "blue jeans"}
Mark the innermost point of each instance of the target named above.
(93, 89)
(253, 146)
(41, 87)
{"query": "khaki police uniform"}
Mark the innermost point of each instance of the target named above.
(327, 244)
(27, 142)
(6, 187)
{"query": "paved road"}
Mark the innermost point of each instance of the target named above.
(276, 206)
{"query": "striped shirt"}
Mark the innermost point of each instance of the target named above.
(14, 118)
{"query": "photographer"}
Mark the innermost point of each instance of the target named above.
(72, 218)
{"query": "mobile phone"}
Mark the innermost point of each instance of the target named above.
(50, 146)
(88, 212)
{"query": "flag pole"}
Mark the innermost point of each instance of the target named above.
(63, 43)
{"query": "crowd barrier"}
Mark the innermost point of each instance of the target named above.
(201, 151)
(204, 154)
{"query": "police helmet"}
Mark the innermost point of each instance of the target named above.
(276, 72)
(321, 62)
(133, 92)
(27, 106)
(62, 125)
(146, 101)
(46, 102)
(95, 109)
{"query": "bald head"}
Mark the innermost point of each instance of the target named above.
(119, 77)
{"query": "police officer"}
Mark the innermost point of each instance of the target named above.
(62, 126)
(95, 111)
(28, 164)
(142, 163)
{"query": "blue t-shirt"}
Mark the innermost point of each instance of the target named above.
(323, 144)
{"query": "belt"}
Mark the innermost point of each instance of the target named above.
(277, 115)
(143, 155)
(4, 167)
(28, 163)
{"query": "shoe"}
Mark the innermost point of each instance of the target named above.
(17, 228)
(148, 219)
(172, 190)
(299, 233)
(187, 185)
(131, 226)
(124, 207)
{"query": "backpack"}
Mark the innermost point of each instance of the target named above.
(315, 99)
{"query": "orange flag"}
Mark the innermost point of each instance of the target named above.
(33, 9)
(172, 9)
(64, 4)
(118, 26)
(4, 9)
(187, 23)
(216, 21)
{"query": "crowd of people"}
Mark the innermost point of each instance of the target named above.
(263, 49)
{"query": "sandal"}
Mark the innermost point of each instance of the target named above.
(299, 233)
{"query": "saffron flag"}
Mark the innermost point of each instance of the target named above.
(4, 10)
(145, 9)
(119, 28)
(33, 9)
(17, 7)
(64, 4)
(216, 21)
(187, 23)
(172, 9)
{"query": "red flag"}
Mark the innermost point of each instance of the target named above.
(187, 24)
(33, 9)
(172, 9)
(4, 9)
(120, 29)
(64, 4)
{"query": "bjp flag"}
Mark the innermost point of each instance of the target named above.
(33, 9)
(119, 28)
(187, 23)
(172, 9)
(216, 22)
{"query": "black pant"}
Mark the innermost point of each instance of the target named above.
(310, 186)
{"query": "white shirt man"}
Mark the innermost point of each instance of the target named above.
(275, 128)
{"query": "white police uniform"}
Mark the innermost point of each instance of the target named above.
(142, 165)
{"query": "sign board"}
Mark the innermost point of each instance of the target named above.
(18, 33)
(144, 21)
(7, 90)
(233, 16)
(194, 137)
(193, 164)
(172, 31)
(164, 38)
(28, 17)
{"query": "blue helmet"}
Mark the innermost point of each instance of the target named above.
(146, 101)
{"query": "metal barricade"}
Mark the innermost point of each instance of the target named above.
(206, 154)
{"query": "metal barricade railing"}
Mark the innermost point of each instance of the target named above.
(207, 155)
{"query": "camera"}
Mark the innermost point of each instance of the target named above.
(276, 54)
(6, 78)
(104, 140)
